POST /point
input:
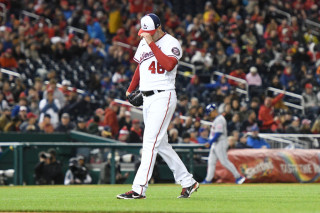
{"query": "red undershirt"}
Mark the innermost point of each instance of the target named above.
(167, 62)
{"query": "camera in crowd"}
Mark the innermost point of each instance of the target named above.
(79, 172)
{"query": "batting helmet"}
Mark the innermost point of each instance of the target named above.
(210, 108)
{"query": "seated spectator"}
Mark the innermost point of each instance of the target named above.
(81, 125)
(254, 81)
(235, 123)
(123, 134)
(242, 142)
(7, 60)
(173, 136)
(93, 127)
(64, 89)
(305, 126)
(3, 103)
(57, 94)
(65, 125)
(250, 122)
(51, 106)
(46, 126)
(231, 142)
(315, 127)
(5, 118)
(13, 125)
(185, 138)
(310, 101)
(255, 141)
(125, 120)
(15, 110)
(203, 137)
(30, 125)
(106, 132)
(136, 132)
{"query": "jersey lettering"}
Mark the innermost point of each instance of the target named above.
(153, 67)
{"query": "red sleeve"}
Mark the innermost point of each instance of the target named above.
(135, 80)
(277, 99)
(167, 62)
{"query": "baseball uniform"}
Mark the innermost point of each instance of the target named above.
(218, 150)
(159, 103)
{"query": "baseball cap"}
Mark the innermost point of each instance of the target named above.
(306, 121)
(81, 120)
(65, 115)
(308, 85)
(253, 69)
(210, 108)
(66, 83)
(31, 115)
(23, 108)
(254, 128)
(149, 23)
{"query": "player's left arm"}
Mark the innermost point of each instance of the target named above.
(215, 138)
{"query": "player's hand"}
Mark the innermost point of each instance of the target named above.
(127, 94)
(207, 145)
(147, 37)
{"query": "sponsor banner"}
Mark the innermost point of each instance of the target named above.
(272, 165)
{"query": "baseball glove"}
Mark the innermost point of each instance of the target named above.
(135, 98)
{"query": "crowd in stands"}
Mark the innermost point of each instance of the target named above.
(244, 39)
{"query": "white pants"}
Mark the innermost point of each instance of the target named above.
(157, 113)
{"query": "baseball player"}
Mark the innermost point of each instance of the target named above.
(157, 57)
(219, 144)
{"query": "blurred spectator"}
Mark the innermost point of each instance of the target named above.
(173, 135)
(266, 113)
(231, 142)
(81, 125)
(123, 134)
(294, 126)
(3, 103)
(51, 106)
(310, 101)
(255, 141)
(46, 125)
(203, 135)
(15, 110)
(93, 127)
(6, 89)
(316, 127)
(305, 126)
(135, 133)
(235, 123)
(55, 167)
(30, 124)
(5, 118)
(7, 60)
(64, 89)
(242, 142)
(106, 132)
(41, 170)
(238, 73)
(111, 119)
(254, 81)
(57, 94)
(94, 30)
(65, 124)
(77, 172)
(13, 125)
(125, 120)
(250, 122)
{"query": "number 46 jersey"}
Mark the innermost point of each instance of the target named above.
(152, 75)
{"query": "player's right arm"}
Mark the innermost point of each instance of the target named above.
(134, 82)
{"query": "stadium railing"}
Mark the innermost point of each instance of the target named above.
(242, 81)
(294, 95)
(35, 16)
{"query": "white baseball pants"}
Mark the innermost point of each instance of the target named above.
(157, 113)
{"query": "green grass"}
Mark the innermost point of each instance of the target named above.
(162, 198)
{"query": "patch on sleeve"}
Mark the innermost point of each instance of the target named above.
(175, 51)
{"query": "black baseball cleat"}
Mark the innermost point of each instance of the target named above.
(131, 195)
(186, 192)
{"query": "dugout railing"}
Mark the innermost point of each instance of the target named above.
(18, 153)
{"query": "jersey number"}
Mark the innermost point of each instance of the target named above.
(156, 67)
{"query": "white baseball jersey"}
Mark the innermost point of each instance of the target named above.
(219, 125)
(152, 75)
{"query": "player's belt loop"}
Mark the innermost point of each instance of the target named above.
(151, 92)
